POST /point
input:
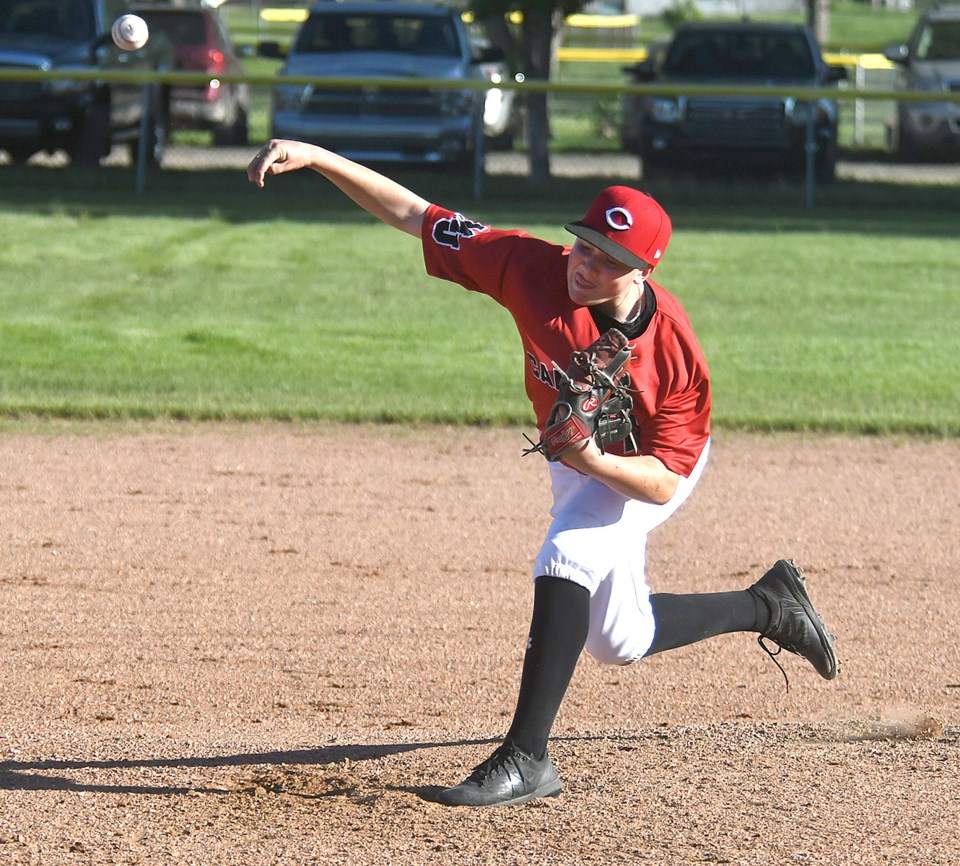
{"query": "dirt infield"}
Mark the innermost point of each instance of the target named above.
(258, 645)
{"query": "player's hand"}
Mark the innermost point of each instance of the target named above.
(278, 157)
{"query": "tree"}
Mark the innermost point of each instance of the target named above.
(818, 19)
(533, 54)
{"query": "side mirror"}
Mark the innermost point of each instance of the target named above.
(641, 72)
(898, 53)
(97, 44)
(836, 74)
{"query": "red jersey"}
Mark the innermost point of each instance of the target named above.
(670, 381)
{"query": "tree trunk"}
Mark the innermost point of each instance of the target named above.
(818, 20)
(498, 32)
(537, 39)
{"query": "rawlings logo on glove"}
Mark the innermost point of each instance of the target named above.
(593, 401)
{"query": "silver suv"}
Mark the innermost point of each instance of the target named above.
(360, 41)
(929, 60)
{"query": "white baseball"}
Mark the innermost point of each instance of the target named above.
(130, 32)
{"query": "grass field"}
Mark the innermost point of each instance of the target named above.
(206, 298)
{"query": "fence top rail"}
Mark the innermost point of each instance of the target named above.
(279, 15)
(527, 86)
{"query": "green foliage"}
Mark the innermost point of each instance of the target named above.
(534, 9)
(680, 12)
(860, 27)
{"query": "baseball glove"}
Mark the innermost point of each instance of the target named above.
(593, 401)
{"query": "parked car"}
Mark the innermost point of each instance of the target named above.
(698, 129)
(929, 60)
(201, 43)
(397, 40)
(82, 117)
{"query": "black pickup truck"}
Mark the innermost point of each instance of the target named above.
(704, 130)
(82, 117)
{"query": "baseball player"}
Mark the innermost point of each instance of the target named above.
(590, 586)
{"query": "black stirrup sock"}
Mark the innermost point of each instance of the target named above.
(558, 632)
(685, 619)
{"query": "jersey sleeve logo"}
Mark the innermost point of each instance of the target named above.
(448, 232)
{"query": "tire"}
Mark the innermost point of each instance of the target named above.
(235, 133)
(502, 142)
(654, 167)
(630, 126)
(19, 155)
(463, 164)
(825, 165)
(158, 132)
(907, 148)
(93, 143)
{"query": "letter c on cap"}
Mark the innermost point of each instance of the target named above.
(619, 219)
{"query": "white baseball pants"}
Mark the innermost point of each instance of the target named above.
(598, 539)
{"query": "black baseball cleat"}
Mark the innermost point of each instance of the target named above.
(507, 778)
(794, 625)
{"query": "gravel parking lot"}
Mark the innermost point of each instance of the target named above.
(182, 158)
(596, 165)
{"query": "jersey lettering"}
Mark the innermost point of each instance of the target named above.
(447, 232)
(542, 373)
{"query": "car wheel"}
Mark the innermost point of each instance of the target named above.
(93, 143)
(19, 155)
(235, 133)
(502, 142)
(653, 167)
(158, 131)
(826, 161)
(630, 126)
(907, 148)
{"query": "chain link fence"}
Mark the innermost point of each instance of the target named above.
(581, 123)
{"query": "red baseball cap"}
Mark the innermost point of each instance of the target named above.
(628, 225)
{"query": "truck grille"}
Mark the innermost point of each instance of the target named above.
(20, 91)
(753, 122)
(358, 102)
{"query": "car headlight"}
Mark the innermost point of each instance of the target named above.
(670, 109)
(287, 98)
(457, 102)
(800, 113)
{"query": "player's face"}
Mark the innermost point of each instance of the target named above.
(596, 280)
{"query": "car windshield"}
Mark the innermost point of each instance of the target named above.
(181, 28)
(939, 40)
(71, 19)
(741, 55)
(346, 32)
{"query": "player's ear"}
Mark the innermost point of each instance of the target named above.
(647, 271)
